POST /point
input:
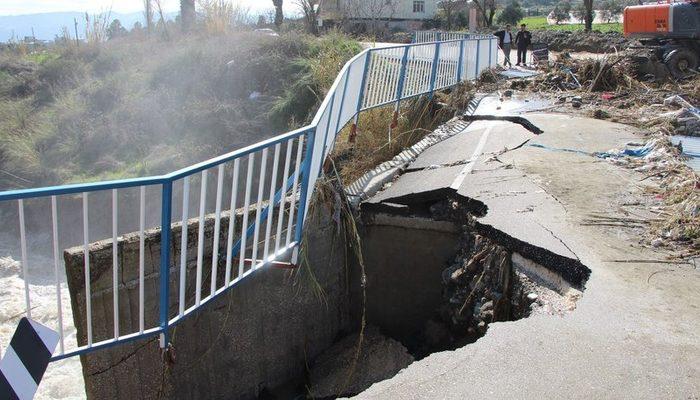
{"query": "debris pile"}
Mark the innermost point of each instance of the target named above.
(677, 187)
(480, 287)
(594, 42)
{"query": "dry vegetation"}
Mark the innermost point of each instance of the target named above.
(142, 105)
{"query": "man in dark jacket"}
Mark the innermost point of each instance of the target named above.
(505, 40)
(523, 40)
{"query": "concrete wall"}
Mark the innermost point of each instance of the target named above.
(257, 336)
(404, 258)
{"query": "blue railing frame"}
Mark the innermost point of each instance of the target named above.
(166, 181)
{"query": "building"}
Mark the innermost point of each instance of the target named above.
(403, 14)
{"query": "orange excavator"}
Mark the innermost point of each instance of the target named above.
(671, 33)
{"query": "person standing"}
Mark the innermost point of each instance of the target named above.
(505, 39)
(523, 40)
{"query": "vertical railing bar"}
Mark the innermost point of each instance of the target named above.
(293, 204)
(305, 189)
(258, 207)
(460, 67)
(86, 254)
(246, 210)
(342, 102)
(285, 180)
(142, 259)
(25, 266)
(54, 232)
(271, 204)
(326, 134)
(217, 230)
(200, 236)
(232, 219)
(183, 244)
(165, 234)
(362, 86)
(478, 50)
(115, 261)
(433, 74)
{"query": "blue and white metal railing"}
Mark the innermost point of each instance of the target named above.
(278, 174)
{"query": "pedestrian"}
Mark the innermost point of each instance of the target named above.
(505, 39)
(523, 40)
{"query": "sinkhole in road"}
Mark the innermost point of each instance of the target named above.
(435, 279)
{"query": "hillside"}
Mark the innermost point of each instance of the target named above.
(138, 106)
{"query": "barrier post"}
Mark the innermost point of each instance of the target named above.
(305, 189)
(399, 90)
(360, 99)
(165, 233)
(461, 56)
(476, 64)
(433, 74)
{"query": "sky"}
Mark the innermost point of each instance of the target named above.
(18, 7)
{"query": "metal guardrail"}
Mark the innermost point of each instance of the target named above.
(437, 36)
(373, 78)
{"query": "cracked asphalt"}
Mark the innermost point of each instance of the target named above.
(636, 331)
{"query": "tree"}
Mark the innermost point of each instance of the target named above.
(148, 14)
(449, 9)
(512, 14)
(561, 12)
(374, 12)
(487, 9)
(309, 9)
(187, 14)
(611, 10)
(279, 13)
(579, 13)
(115, 30)
(588, 16)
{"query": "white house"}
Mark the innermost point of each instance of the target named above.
(407, 14)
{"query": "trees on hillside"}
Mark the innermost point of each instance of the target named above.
(279, 13)
(512, 14)
(116, 30)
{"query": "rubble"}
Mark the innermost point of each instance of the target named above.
(594, 42)
(341, 370)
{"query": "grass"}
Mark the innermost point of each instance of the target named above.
(540, 23)
(139, 106)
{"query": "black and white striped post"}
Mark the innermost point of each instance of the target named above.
(26, 360)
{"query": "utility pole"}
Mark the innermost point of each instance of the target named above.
(77, 40)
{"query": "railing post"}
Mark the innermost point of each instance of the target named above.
(305, 189)
(476, 65)
(433, 74)
(325, 134)
(438, 36)
(461, 56)
(490, 51)
(166, 220)
(399, 89)
(360, 98)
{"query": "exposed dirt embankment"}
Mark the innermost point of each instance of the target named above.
(594, 42)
